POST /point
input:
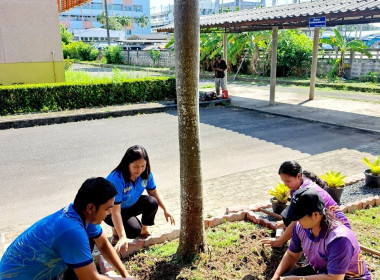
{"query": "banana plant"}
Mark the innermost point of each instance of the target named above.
(343, 46)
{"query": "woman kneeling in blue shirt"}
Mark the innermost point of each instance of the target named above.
(131, 177)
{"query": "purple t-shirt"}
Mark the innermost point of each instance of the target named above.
(334, 251)
(330, 203)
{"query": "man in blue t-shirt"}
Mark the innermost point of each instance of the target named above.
(61, 240)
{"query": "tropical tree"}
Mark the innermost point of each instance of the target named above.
(343, 46)
(66, 36)
(116, 22)
(192, 239)
(142, 21)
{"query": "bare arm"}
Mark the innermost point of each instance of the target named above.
(89, 272)
(315, 277)
(119, 227)
(110, 255)
(284, 238)
(161, 203)
(286, 264)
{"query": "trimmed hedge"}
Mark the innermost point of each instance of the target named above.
(53, 97)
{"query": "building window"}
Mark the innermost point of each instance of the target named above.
(137, 8)
(86, 6)
(128, 8)
(97, 6)
(117, 7)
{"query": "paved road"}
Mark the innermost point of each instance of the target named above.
(41, 168)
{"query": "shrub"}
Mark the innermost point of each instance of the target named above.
(334, 179)
(280, 192)
(80, 50)
(293, 54)
(373, 166)
(44, 97)
(113, 55)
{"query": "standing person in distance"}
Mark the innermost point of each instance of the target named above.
(131, 177)
(219, 67)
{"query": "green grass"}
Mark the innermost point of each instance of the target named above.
(366, 225)
(207, 86)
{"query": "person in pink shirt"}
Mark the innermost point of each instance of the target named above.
(331, 249)
(294, 178)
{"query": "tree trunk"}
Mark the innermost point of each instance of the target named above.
(186, 25)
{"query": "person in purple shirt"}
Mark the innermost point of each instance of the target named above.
(294, 178)
(330, 248)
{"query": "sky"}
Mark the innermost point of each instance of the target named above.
(158, 3)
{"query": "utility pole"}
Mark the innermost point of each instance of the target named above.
(107, 25)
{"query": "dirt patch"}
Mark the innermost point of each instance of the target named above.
(236, 253)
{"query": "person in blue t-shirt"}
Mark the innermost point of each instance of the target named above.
(131, 177)
(61, 240)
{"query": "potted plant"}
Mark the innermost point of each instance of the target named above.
(280, 194)
(372, 175)
(335, 184)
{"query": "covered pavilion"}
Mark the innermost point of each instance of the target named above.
(335, 12)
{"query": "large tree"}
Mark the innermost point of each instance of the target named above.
(192, 238)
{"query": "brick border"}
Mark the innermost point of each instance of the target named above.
(233, 214)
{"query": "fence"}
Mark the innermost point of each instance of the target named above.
(143, 58)
(356, 64)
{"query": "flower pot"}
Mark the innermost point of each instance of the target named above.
(277, 207)
(372, 181)
(335, 193)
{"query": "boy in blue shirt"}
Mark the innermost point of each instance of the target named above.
(61, 239)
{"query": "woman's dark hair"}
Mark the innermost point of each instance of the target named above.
(292, 168)
(133, 153)
(96, 191)
(328, 218)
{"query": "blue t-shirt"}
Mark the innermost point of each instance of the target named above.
(128, 193)
(45, 249)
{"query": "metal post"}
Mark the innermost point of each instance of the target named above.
(107, 24)
(314, 62)
(225, 55)
(273, 65)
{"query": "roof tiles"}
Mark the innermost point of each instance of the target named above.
(337, 12)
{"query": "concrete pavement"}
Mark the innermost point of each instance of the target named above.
(250, 186)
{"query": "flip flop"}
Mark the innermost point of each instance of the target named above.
(144, 235)
(114, 240)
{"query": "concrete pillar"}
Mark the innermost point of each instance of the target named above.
(225, 55)
(314, 60)
(273, 65)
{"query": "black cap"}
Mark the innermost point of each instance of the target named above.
(305, 201)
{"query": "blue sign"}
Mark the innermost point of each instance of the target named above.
(317, 22)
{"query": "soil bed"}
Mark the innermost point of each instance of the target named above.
(236, 253)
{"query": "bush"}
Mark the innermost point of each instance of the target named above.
(44, 97)
(80, 51)
(293, 54)
(113, 55)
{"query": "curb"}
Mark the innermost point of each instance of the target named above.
(360, 129)
(101, 115)
(233, 214)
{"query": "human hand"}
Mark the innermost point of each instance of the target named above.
(121, 245)
(273, 242)
(280, 224)
(169, 216)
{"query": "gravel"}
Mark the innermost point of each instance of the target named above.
(357, 192)
(351, 193)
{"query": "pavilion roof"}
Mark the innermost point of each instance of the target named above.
(337, 12)
(64, 5)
